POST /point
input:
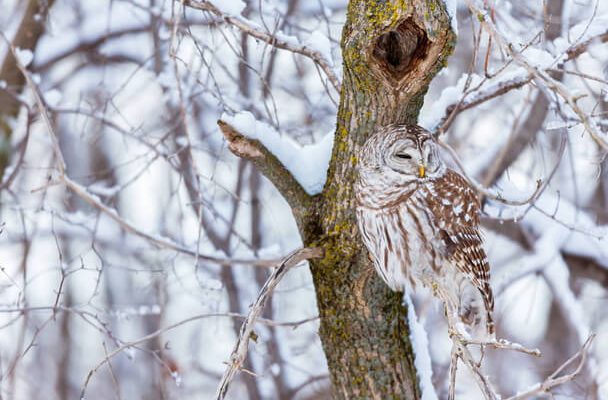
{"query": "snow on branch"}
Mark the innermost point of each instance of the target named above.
(540, 76)
(319, 56)
(289, 165)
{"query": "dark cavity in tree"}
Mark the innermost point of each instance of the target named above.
(400, 50)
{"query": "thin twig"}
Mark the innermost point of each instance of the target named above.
(95, 202)
(239, 353)
(273, 40)
(541, 77)
(554, 379)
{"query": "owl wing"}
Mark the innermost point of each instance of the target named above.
(457, 208)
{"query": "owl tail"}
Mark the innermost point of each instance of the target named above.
(475, 311)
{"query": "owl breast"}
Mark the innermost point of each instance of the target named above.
(398, 242)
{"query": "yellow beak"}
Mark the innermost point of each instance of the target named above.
(421, 171)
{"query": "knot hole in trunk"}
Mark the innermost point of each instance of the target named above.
(400, 50)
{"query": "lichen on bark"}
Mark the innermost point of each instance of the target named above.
(391, 51)
(363, 325)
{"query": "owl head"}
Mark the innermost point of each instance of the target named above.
(401, 154)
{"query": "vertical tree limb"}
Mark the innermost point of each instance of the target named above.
(26, 37)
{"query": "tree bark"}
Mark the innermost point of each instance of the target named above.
(391, 51)
(27, 35)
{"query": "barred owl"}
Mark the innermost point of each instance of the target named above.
(420, 222)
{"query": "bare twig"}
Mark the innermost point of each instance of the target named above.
(241, 348)
(95, 202)
(554, 379)
(153, 335)
(273, 40)
(541, 77)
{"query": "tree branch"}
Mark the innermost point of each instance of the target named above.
(507, 85)
(273, 40)
(554, 380)
(237, 358)
(541, 77)
(26, 37)
(270, 166)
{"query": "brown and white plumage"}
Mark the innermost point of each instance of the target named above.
(420, 223)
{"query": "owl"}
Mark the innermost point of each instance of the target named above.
(420, 223)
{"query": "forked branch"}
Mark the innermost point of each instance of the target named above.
(269, 165)
(555, 379)
(237, 358)
(274, 40)
(460, 351)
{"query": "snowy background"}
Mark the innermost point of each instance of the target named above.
(113, 276)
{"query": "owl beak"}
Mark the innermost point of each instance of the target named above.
(421, 171)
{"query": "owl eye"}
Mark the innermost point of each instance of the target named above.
(403, 156)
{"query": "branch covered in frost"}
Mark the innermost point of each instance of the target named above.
(541, 77)
(237, 358)
(277, 40)
(271, 164)
(95, 202)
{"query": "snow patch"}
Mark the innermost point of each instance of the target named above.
(451, 6)
(422, 358)
(320, 42)
(53, 97)
(232, 7)
(24, 56)
(308, 164)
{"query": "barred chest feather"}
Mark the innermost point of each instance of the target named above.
(404, 239)
(398, 242)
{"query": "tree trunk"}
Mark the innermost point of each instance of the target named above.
(30, 29)
(391, 51)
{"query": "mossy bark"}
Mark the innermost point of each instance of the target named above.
(391, 51)
(26, 37)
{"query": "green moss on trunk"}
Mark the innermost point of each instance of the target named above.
(363, 325)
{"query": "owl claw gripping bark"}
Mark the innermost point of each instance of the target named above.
(420, 222)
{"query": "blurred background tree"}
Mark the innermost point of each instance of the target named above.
(134, 241)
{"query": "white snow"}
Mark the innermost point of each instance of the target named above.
(24, 56)
(100, 189)
(232, 7)
(429, 117)
(422, 358)
(53, 97)
(308, 164)
(451, 7)
(320, 42)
